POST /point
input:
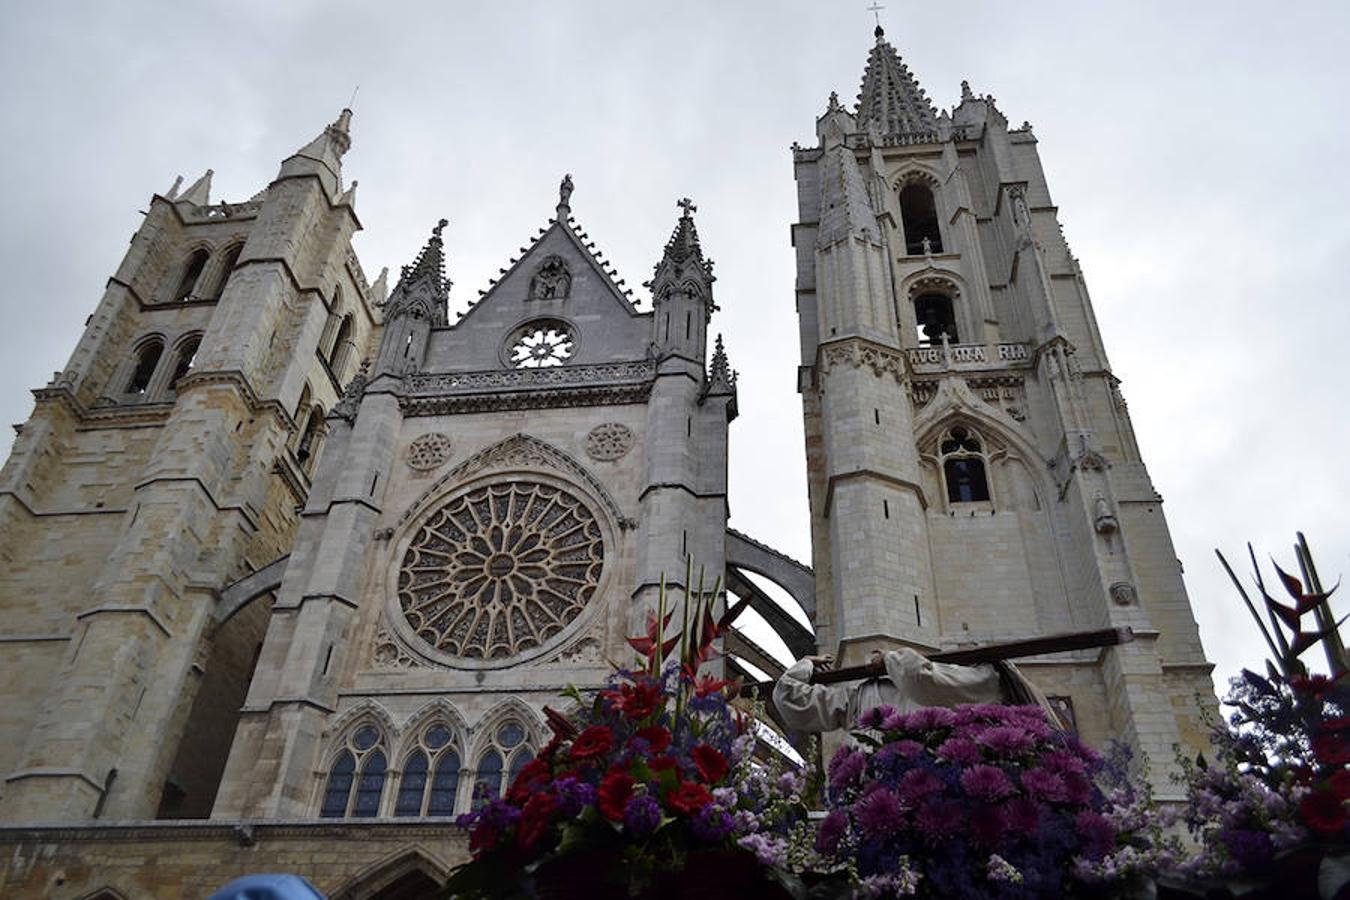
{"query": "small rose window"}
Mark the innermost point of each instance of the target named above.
(542, 344)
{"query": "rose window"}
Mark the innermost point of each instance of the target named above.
(542, 344)
(500, 570)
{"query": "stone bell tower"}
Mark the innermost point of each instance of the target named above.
(972, 469)
(165, 461)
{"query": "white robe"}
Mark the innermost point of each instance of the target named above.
(912, 682)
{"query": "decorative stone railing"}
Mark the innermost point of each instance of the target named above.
(221, 211)
(597, 375)
(966, 357)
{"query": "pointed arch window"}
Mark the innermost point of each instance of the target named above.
(228, 259)
(342, 347)
(192, 271)
(187, 355)
(430, 780)
(918, 215)
(499, 763)
(310, 438)
(356, 776)
(147, 361)
(963, 466)
(936, 317)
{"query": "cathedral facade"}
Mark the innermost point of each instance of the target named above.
(292, 562)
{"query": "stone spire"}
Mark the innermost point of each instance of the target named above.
(423, 286)
(332, 143)
(721, 377)
(891, 99)
(846, 210)
(682, 266)
(200, 192)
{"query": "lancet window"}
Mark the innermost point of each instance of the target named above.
(187, 355)
(356, 776)
(227, 261)
(499, 763)
(936, 317)
(147, 360)
(963, 466)
(430, 777)
(918, 215)
(191, 272)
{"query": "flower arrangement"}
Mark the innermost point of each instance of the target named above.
(972, 802)
(1274, 806)
(651, 786)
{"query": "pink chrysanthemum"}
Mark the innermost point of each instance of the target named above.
(879, 813)
(917, 784)
(1044, 785)
(959, 750)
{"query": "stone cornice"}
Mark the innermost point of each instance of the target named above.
(538, 398)
(873, 474)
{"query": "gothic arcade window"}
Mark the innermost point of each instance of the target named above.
(963, 466)
(500, 762)
(356, 777)
(147, 360)
(541, 344)
(430, 778)
(342, 347)
(936, 317)
(187, 355)
(191, 272)
(918, 214)
(309, 439)
(227, 262)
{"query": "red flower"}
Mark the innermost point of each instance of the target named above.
(534, 820)
(637, 701)
(1331, 749)
(688, 798)
(656, 736)
(706, 684)
(1340, 784)
(483, 839)
(1323, 811)
(615, 790)
(592, 743)
(712, 765)
(532, 777)
(662, 763)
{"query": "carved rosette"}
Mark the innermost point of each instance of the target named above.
(609, 441)
(500, 571)
(428, 451)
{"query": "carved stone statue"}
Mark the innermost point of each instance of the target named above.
(551, 281)
(565, 192)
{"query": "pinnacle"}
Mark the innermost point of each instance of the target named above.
(891, 97)
(428, 270)
(683, 243)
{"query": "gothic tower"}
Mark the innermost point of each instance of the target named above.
(164, 462)
(498, 502)
(972, 469)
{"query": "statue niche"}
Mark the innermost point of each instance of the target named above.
(551, 281)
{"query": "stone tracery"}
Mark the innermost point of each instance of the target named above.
(500, 570)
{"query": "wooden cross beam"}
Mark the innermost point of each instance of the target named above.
(1054, 643)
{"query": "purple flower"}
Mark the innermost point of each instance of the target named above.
(831, 831)
(1064, 762)
(931, 717)
(642, 815)
(1006, 739)
(711, 824)
(770, 851)
(986, 782)
(987, 825)
(845, 767)
(938, 819)
(873, 717)
(574, 795)
(917, 784)
(879, 813)
(959, 750)
(1024, 815)
(1077, 788)
(907, 749)
(1044, 785)
(1098, 834)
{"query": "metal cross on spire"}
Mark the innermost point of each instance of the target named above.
(687, 205)
(875, 9)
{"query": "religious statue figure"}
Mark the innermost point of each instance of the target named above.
(910, 682)
(551, 281)
(565, 191)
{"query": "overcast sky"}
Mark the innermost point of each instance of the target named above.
(1197, 152)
